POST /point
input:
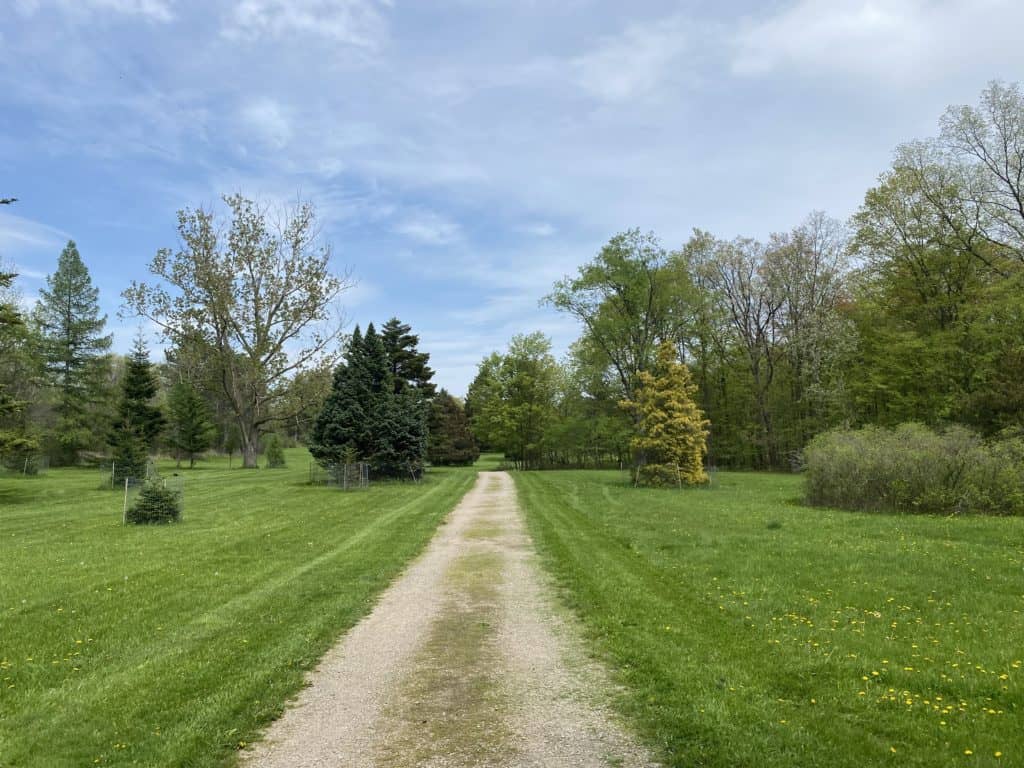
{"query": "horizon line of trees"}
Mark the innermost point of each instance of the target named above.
(254, 331)
(913, 310)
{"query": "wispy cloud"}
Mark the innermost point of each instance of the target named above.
(18, 235)
(429, 228)
(151, 10)
(637, 62)
(359, 23)
(267, 119)
(900, 40)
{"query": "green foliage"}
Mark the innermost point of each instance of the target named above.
(670, 442)
(15, 441)
(190, 429)
(913, 469)
(514, 397)
(73, 353)
(273, 452)
(156, 503)
(256, 299)
(138, 422)
(407, 364)
(450, 441)
(630, 297)
(365, 415)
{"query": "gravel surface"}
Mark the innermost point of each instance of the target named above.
(465, 661)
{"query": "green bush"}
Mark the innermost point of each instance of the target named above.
(155, 504)
(273, 453)
(913, 469)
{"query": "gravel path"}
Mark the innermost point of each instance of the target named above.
(465, 661)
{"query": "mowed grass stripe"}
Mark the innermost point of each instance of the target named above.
(742, 624)
(219, 617)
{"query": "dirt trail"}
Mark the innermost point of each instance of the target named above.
(465, 661)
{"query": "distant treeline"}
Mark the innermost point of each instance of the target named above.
(913, 310)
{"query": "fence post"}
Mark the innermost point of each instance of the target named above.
(124, 508)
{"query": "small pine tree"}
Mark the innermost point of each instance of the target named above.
(671, 439)
(450, 440)
(191, 431)
(155, 504)
(138, 422)
(273, 453)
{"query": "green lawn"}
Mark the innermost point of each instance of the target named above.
(748, 630)
(173, 645)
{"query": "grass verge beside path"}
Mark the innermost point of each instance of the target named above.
(174, 645)
(750, 631)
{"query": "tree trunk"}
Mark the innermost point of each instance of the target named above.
(250, 445)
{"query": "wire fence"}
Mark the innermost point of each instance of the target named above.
(22, 465)
(115, 475)
(345, 477)
(133, 488)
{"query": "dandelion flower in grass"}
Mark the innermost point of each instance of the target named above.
(968, 751)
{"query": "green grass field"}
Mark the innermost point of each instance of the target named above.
(173, 645)
(748, 630)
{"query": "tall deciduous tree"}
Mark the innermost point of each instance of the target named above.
(260, 299)
(672, 432)
(515, 399)
(751, 305)
(74, 348)
(630, 297)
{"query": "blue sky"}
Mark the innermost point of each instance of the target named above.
(464, 154)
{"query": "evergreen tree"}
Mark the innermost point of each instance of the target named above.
(407, 364)
(671, 438)
(137, 422)
(13, 440)
(365, 417)
(273, 452)
(190, 431)
(450, 441)
(74, 350)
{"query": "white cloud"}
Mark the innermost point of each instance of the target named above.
(898, 40)
(429, 228)
(267, 119)
(358, 23)
(634, 63)
(539, 229)
(19, 235)
(152, 10)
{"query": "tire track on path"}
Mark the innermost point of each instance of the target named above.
(465, 661)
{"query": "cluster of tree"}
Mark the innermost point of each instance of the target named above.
(249, 311)
(913, 310)
(246, 312)
(383, 409)
(66, 395)
(377, 408)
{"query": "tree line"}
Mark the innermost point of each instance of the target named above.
(912, 310)
(255, 352)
